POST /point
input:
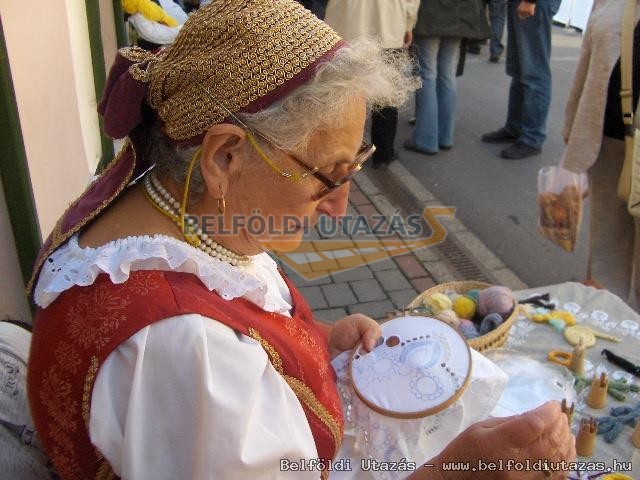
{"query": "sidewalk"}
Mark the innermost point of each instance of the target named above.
(382, 286)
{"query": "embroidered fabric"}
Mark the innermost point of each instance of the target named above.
(71, 265)
(378, 439)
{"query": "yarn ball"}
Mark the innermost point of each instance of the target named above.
(449, 317)
(567, 317)
(468, 329)
(495, 300)
(473, 294)
(490, 322)
(438, 302)
(558, 324)
(464, 307)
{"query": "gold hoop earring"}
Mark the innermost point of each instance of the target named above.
(222, 203)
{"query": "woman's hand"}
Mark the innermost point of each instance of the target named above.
(541, 434)
(349, 331)
(408, 39)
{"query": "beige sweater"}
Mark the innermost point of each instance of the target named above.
(385, 20)
(584, 113)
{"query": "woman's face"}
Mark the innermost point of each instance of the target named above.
(276, 210)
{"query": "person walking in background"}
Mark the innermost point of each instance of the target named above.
(441, 26)
(391, 23)
(497, 17)
(528, 55)
(594, 134)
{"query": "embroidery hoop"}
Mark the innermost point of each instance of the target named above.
(430, 365)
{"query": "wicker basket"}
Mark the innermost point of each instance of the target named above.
(495, 338)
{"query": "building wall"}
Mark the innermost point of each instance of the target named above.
(48, 48)
(13, 302)
(108, 30)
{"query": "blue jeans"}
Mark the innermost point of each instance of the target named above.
(497, 18)
(528, 56)
(436, 99)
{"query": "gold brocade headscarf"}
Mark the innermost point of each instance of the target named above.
(247, 53)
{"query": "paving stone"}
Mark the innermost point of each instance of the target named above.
(422, 284)
(360, 273)
(367, 209)
(368, 290)
(330, 315)
(381, 265)
(410, 266)
(427, 254)
(356, 197)
(509, 279)
(365, 184)
(352, 210)
(376, 310)
(314, 297)
(338, 294)
(301, 281)
(439, 271)
(402, 298)
(383, 205)
(392, 280)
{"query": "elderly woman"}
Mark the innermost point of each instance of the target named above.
(167, 344)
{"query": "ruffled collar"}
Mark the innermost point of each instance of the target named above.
(71, 265)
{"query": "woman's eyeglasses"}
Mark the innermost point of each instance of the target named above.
(364, 153)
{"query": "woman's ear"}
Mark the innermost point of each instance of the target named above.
(220, 156)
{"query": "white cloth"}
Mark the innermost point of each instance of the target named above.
(21, 453)
(175, 10)
(369, 434)
(187, 397)
(154, 32)
(385, 20)
(258, 282)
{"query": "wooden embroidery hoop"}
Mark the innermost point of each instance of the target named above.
(427, 326)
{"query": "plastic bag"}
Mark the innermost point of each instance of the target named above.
(561, 195)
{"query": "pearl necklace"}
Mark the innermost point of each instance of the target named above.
(170, 207)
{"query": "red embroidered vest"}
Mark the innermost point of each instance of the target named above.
(75, 334)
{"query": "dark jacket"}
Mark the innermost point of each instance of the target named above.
(453, 18)
(316, 6)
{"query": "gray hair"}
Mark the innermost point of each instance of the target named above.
(381, 77)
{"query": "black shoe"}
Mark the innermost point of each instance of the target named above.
(445, 147)
(519, 150)
(499, 136)
(412, 120)
(494, 58)
(409, 145)
(473, 49)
